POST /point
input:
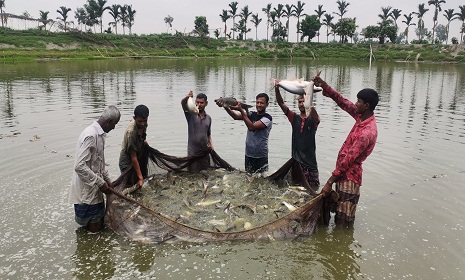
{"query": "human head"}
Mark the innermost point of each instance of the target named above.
(141, 111)
(369, 96)
(261, 102)
(141, 115)
(301, 100)
(109, 118)
(201, 101)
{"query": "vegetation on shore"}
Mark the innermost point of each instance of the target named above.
(31, 45)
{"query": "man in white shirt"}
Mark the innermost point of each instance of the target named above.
(90, 178)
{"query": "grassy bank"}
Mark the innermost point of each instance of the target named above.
(31, 45)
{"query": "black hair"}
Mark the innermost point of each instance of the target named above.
(369, 96)
(202, 96)
(141, 111)
(267, 98)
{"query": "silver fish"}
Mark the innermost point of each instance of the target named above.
(295, 86)
(193, 109)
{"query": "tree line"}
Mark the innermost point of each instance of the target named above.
(277, 20)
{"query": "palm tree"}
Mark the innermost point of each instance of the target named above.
(63, 11)
(43, 18)
(386, 13)
(319, 13)
(130, 18)
(288, 12)
(256, 21)
(267, 11)
(450, 16)
(279, 12)
(99, 8)
(342, 7)
(81, 15)
(461, 17)
(298, 12)
(328, 22)
(114, 11)
(224, 18)
(2, 5)
(123, 15)
(437, 9)
(245, 13)
(233, 13)
(395, 14)
(408, 21)
(169, 23)
(421, 24)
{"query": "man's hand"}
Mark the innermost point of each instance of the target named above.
(319, 82)
(326, 189)
(140, 183)
(105, 188)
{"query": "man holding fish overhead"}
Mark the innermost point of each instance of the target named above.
(258, 130)
(303, 136)
(198, 129)
(356, 148)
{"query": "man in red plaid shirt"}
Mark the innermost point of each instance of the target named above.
(356, 148)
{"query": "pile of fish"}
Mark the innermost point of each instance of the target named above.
(220, 200)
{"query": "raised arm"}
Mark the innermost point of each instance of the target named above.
(279, 98)
(184, 101)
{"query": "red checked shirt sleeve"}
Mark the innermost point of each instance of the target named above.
(359, 143)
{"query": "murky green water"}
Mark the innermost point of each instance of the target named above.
(410, 219)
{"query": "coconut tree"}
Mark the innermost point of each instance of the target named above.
(123, 15)
(298, 11)
(267, 11)
(81, 15)
(421, 24)
(114, 11)
(43, 18)
(408, 21)
(224, 18)
(288, 12)
(437, 9)
(130, 18)
(395, 14)
(256, 21)
(2, 5)
(461, 17)
(385, 13)
(98, 8)
(233, 13)
(63, 11)
(327, 20)
(169, 23)
(450, 16)
(342, 7)
(319, 13)
(279, 13)
(245, 14)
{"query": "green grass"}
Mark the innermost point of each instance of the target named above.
(30, 45)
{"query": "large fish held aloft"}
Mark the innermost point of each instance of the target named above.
(301, 87)
(226, 102)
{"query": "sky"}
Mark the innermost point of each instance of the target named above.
(150, 14)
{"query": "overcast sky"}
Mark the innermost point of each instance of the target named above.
(150, 14)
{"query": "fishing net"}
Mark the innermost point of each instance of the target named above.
(129, 216)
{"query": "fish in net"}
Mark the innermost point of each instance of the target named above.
(130, 216)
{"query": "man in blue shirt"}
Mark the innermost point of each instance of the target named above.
(259, 125)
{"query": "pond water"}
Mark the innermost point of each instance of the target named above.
(410, 219)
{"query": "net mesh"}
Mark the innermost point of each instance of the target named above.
(131, 218)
